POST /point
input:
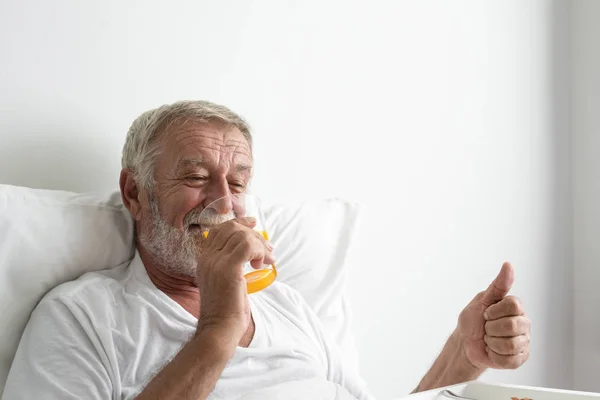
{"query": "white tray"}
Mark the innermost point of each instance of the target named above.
(479, 390)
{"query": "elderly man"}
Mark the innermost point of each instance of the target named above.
(177, 323)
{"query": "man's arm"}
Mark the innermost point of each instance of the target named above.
(58, 358)
(493, 331)
(194, 371)
(451, 367)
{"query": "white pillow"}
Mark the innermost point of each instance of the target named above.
(312, 242)
(50, 237)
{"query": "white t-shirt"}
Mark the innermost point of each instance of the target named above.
(106, 334)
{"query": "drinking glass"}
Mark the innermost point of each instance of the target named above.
(241, 205)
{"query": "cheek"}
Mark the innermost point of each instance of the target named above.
(180, 204)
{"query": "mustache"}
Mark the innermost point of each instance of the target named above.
(207, 217)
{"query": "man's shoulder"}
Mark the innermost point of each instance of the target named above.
(94, 285)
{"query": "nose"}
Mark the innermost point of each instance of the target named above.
(222, 205)
(219, 197)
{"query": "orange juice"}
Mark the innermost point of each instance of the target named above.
(259, 279)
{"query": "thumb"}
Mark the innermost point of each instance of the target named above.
(500, 287)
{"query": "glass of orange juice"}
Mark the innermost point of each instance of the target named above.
(241, 205)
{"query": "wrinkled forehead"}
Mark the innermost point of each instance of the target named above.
(214, 144)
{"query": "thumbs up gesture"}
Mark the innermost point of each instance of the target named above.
(494, 330)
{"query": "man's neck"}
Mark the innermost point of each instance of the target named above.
(182, 290)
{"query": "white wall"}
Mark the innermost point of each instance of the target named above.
(585, 112)
(439, 116)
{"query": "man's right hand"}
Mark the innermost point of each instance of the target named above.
(224, 307)
(224, 312)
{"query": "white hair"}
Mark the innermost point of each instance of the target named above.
(141, 145)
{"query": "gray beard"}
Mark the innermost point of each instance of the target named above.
(175, 250)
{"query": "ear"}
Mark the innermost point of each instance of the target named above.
(130, 193)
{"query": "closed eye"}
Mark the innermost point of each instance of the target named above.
(197, 178)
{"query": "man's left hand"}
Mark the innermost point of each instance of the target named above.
(493, 330)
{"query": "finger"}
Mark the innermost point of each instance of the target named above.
(507, 346)
(508, 326)
(264, 239)
(510, 306)
(234, 240)
(220, 234)
(252, 251)
(235, 249)
(219, 237)
(267, 256)
(500, 286)
(262, 236)
(245, 245)
(250, 222)
(507, 362)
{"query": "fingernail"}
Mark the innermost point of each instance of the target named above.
(485, 315)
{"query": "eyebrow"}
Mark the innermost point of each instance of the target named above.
(199, 162)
